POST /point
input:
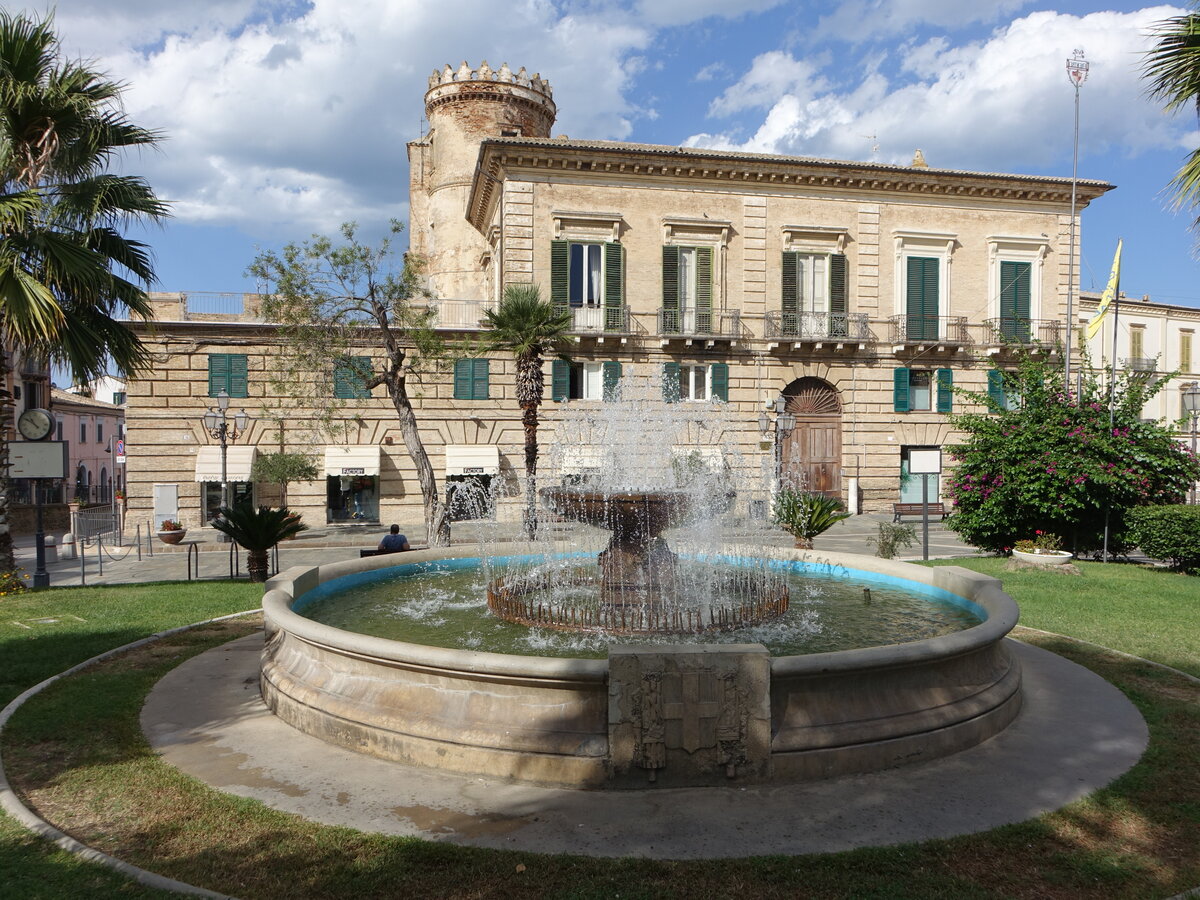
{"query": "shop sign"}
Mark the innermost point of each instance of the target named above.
(472, 470)
(353, 470)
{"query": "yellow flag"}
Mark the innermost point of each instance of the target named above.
(1110, 294)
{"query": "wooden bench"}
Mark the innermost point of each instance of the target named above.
(918, 509)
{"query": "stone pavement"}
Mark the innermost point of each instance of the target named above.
(107, 563)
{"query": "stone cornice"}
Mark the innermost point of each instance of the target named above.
(604, 159)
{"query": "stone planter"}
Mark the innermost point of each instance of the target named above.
(172, 537)
(1044, 557)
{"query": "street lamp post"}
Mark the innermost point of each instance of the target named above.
(1191, 406)
(218, 425)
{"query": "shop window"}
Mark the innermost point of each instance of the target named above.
(239, 492)
(352, 498)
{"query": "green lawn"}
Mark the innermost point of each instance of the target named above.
(1149, 612)
(78, 750)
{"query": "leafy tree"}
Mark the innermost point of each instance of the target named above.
(529, 328)
(1173, 67)
(1053, 462)
(66, 270)
(334, 302)
(257, 531)
(283, 468)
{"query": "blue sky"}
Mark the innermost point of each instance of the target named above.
(286, 118)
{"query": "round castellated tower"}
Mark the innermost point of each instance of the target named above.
(464, 107)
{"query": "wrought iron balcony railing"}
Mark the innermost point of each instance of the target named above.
(1017, 330)
(1140, 364)
(700, 323)
(929, 330)
(817, 326)
(600, 320)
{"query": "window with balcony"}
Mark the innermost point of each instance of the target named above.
(813, 295)
(1015, 295)
(687, 284)
(587, 269)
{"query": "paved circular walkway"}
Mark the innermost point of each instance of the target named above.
(1074, 734)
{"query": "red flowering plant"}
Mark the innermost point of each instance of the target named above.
(1043, 460)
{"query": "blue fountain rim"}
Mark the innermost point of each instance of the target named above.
(816, 568)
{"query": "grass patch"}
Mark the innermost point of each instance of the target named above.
(77, 752)
(1146, 611)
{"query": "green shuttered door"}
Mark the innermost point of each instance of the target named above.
(921, 307)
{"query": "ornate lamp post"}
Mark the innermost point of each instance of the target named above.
(1077, 72)
(1191, 406)
(218, 425)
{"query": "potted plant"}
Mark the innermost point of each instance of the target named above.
(1042, 550)
(804, 514)
(171, 532)
(257, 530)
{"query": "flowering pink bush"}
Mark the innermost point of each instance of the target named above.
(1054, 463)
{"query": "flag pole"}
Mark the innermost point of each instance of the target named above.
(1077, 71)
(1112, 375)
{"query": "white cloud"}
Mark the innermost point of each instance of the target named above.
(771, 75)
(1003, 103)
(287, 118)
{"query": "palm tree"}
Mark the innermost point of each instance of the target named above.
(1173, 67)
(66, 271)
(257, 531)
(528, 327)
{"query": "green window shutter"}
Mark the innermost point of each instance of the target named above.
(900, 390)
(837, 284)
(479, 379)
(945, 393)
(718, 381)
(995, 387)
(218, 373)
(349, 376)
(670, 277)
(614, 275)
(611, 375)
(670, 382)
(790, 299)
(704, 278)
(238, 380)
(462, 378)
(704, 289)
(921, 298)
(1015, 299)
(560, 272)
(560, 380)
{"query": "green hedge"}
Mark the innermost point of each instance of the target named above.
(1170, 533)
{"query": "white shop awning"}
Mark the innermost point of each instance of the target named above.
(238, 463)
(360, 459)
(472, 459)
(583, 459)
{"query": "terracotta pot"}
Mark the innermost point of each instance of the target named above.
(1044, 558)
(172, 537)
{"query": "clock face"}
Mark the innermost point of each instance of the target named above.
(34, 424)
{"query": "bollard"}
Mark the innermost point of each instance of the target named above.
(51, 549)
(68, 546)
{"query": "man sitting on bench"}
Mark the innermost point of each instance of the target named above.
(394, 542)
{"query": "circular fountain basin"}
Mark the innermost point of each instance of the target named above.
(681, 715)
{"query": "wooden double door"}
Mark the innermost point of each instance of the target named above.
(810, 456)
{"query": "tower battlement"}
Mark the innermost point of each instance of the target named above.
(504, 75)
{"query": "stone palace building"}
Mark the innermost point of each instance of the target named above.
(823, 310)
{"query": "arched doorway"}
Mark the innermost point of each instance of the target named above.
(810, 456)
